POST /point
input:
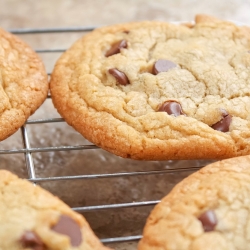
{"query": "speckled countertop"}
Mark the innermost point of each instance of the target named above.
(46, 13)
(71, 13)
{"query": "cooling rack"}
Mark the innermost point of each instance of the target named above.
(27, 150)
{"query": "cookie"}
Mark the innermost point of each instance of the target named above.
(210, 209)
(156, 91)
(32, 218)
(23, 83)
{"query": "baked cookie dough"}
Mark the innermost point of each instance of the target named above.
(23, 83)
(31, 218)
(210, 209)
(156, 91)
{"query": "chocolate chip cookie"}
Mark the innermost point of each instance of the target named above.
(23, 83)
(210, 209)
(157, 91)
(32, 218)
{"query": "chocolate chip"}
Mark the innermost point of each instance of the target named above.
(172, 108)
(32, 241)
(119, 76)
(69, 227)
(163, 66)
(224, 123)
(208, 220)
(116, 48)
(126, 31)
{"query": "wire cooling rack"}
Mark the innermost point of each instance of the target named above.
(27, 150)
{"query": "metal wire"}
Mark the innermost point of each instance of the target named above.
(122, 239)
(50, 120)
(112, 206)
(28, 156)
(27, 150)
(51, 30)
(50, 50)
(113, 175)
(47, 149)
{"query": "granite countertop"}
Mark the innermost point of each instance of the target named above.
(69, 13)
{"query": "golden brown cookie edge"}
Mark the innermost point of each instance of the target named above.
(34, 99)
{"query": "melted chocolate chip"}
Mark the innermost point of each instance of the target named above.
(162, 66)
(172, 108)
(224, 123)
(69, 227)
(119, 76)
(208, 220)
(32, 240)
(116, 48)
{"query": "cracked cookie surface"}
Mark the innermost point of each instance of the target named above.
(207, 210)
(23, 83)
(112, 83)
(32, 218)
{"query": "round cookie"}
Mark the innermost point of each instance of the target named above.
(210, 209)
(32, 218)
(23, 83)
(158, 91)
